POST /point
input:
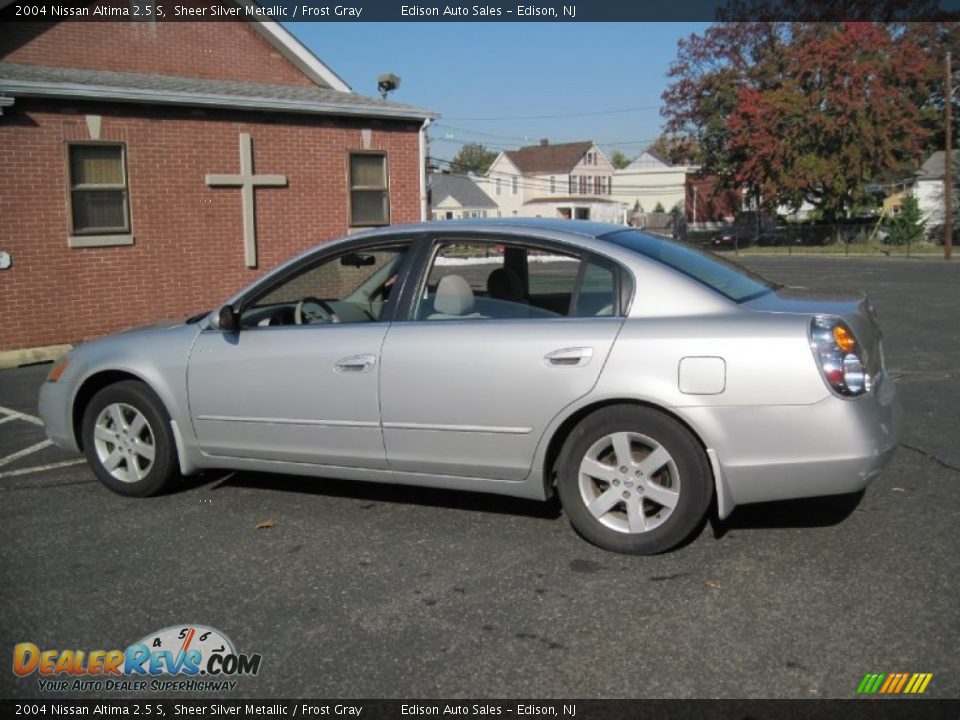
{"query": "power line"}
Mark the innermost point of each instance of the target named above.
(555, 115)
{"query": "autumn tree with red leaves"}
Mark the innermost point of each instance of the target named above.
(842, 113)
(812, 111)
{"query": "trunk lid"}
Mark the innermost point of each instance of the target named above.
(856, 310)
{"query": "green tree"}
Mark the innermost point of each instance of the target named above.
(906, 227)
(658, 208)
(619, 160)
(473, 157)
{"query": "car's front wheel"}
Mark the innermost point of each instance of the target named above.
(127, 439)
(634, 480)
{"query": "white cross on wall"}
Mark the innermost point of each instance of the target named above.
(247, 181)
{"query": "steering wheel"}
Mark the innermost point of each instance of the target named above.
(310, 310)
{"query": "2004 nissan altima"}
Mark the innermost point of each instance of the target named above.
(640, 379)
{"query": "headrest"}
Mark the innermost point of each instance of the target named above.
(454, 296)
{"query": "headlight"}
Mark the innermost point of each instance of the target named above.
(839, 356)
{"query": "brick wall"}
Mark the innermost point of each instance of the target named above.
(188, 253)
(212, 50)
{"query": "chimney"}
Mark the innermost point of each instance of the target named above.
(544, 142)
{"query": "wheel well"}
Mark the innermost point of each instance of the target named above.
(555, 446)
(91, 386)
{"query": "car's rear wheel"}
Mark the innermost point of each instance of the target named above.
(634, 480)
(127, 439)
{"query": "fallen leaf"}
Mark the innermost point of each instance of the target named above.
(898, 489)
(713, 584)
(265, 524)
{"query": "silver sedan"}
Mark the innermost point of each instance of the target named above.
(641, 380)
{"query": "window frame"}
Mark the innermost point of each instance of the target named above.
(92, 233)
(351, 188)
(326, 254)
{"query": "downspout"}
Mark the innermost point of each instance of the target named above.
(423, 169)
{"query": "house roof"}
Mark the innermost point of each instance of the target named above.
(461, 188)
(81, 84)
(934, 168)
(548, 158)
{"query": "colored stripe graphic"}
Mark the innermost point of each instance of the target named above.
(894, 683)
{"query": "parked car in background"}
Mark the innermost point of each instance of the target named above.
(745, 232)
(640, 379)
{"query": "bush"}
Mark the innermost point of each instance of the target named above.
(907, 227)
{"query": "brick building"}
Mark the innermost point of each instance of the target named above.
(150, 169)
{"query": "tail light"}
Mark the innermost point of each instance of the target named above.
(839, 355)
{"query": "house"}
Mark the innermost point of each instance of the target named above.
(458, 197)
(567, 180)
(929, 189)
(151, 169)
(650, 181)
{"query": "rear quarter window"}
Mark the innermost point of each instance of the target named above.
(729, 279)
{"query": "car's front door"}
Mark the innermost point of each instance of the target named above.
(500, 337)
(299, 381)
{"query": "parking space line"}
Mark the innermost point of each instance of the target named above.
(41, 468)
(21, 416)
(8, 418)
(26, 451)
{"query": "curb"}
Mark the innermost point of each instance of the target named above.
(28, 356)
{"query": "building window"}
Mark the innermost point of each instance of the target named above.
(590, 158)
(584, 179)
(514, 185)
(498, 186)
(573, 184)
(553, 185)
(99, 198)
(369, 196)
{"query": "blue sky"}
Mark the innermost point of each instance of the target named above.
(472, 73)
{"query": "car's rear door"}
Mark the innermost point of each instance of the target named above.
(482, 362)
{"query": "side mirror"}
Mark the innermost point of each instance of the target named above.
(228, 319)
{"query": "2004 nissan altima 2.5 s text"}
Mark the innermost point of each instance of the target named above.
(640, 379)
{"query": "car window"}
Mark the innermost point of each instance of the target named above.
(598, 291)
(490, 280)
(350, 287)
(728, 279)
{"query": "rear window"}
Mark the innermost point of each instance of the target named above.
(727, 278)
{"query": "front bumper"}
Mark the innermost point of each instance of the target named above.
(55, 406)
(832, 447)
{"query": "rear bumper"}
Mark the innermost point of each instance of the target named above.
(56, 401)
(832, 447)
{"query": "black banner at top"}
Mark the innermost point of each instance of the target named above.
(556, 11)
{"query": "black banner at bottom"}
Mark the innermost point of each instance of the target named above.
(872, 709)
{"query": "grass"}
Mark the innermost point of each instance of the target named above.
(854, 249)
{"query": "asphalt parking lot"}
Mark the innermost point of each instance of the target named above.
(364, 590)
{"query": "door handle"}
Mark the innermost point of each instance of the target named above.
(569, 357)
(355, 364)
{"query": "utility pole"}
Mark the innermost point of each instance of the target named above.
(948, 168)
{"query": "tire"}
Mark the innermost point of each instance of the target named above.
(645, 504)
(127, 439)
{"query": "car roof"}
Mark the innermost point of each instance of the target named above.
(585, 228)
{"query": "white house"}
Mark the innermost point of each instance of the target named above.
(929, 189)
(568, 180)
(650, 180)
(458, 197)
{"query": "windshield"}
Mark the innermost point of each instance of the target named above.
(727, 278)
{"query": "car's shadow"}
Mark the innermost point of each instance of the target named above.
(383, 493)
(802, 513)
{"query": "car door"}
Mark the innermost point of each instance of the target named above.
(500, 336)
(299, 381)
